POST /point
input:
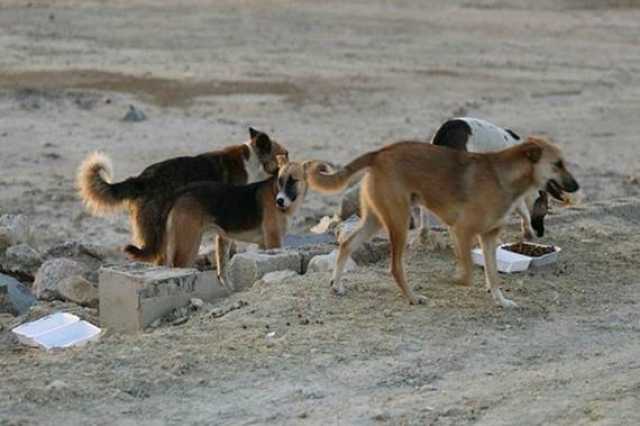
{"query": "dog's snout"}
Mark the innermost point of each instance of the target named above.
(280, 201)
(570, 184)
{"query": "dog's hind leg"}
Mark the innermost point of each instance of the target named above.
(369, 225)
(222, 255)
(489, 243)
(394, 213)
(463, 240)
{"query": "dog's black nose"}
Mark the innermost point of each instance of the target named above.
(571, 185)
(280, 202)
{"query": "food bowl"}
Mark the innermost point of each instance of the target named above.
(518, 257)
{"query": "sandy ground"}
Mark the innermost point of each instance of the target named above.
(330, 81)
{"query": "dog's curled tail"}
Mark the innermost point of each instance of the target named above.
(95, 187)
(322, 178)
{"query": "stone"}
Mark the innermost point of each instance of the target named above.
(350, 203)
(22, 258)
(134, 115)
(278, 276)
(92, 255)
(327, 263)
(78, 290)
(247, 268)
(14, 229)
(372, 251)
(346, 227)
(196, 303)
(45, 286)
(15, 298)
(132, 296)
(326, 225)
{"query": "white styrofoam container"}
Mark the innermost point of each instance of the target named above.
(510, 262)
(58, 330)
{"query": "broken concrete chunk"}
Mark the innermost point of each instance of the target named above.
(247, 268)
(327, 263)
(134, 115)
(350, 203)
(15, 298)
(14, 229)
(45, 286)
(134, 295)
(22, 258)
(78, 290)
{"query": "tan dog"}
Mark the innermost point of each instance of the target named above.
(472, 193)
(256, 213)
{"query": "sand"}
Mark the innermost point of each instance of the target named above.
(330, 81)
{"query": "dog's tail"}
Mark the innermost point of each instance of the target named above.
(321, 179)
(95, 187)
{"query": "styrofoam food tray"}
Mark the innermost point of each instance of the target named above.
(510, 262)
(58, 330)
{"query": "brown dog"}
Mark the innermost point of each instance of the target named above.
(472, 193)
(148, 195)
(255, 213)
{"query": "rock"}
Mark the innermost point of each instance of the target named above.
(350, 203)
(51, 273)
(92, 255)
(326, 225)
(247, 268)
(57, 385)
(327, 262)
(134, 115)
(278, 276)
(196, 303)
(15, 298)
(78, 290)
(309, 252)
(14, 229)
(346, 227)
(22, 258)
(372, 251)
(305, 240)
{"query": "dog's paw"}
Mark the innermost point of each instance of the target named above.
(417, 299)
(503, 301)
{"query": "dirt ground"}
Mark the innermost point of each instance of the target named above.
(331, 80)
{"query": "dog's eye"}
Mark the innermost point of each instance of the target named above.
(281, 181)
(292, 181)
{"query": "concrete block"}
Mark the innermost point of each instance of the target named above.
(327, 263)
(134, 295)
(247, 268)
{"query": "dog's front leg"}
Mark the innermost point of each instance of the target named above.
(525, 220)
(222, 253)
(462, 247)
(489, 245)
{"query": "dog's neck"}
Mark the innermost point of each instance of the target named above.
(516, 173)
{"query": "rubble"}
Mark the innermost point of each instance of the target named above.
(23, 258)
(14, 229)
(15, 298)
(53, 271)
(350, 203)
(247, 268)
(133, 296)
(78, 290)
(327, 262)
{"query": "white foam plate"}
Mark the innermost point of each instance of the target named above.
(510, 262)
(58, 330)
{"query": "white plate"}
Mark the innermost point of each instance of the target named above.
(58, 330)
(510, 262)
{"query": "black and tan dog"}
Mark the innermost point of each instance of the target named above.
(472, 193)
(147, 196)
(255, 213)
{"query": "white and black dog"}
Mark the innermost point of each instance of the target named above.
(476, 135)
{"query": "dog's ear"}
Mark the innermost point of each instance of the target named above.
(282, 160)
(306, 166)
(532, 151)
(253, 133)
(263, 143)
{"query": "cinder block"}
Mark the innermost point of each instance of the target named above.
(134, 295)
(247, 268)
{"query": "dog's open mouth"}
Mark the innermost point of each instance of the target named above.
(555, 190)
